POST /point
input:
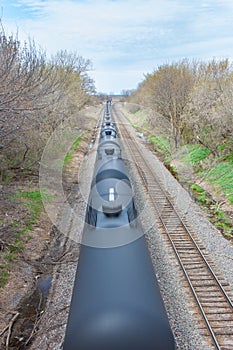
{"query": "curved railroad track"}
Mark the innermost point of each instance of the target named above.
(210, 292)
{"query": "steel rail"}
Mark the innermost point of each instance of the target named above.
(186, 229)
(188, 278)
(189, 234)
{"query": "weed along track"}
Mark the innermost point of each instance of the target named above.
(209, 292)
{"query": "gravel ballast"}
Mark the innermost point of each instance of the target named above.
(176, 297)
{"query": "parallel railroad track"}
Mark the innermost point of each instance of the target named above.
(209, 291)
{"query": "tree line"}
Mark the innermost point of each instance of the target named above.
(36, 95)
(195, 98)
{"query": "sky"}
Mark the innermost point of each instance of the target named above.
(124, 39)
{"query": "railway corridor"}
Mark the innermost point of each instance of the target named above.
(209, 292)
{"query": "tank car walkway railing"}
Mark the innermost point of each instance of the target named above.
(210, 293)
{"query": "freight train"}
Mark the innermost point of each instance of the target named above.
(116, 302)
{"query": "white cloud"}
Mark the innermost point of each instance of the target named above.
(116, 81)
(126, 37)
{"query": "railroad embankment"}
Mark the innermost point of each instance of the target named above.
(207, 175)
(33, 250)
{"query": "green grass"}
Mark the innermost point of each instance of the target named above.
(68, 157)
(74, 149)
(222, 222)
(160, 145)
(222, 175)
(219, 219)
(226, 151)
(4, 275)
(200, 194)
(195, 154)
(5, 266)
(33, 202)
(77, 142)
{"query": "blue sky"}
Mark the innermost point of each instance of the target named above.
(125, 39)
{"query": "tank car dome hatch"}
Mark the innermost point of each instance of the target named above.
(107, 124)
(109, 148)
(111, 208)
(109, 151)
(109, 128)
(108, 131)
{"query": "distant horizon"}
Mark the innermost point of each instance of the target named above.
(125, 40)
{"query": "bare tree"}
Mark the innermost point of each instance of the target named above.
(35, 96)
(208, 116)
(195, 97)
(167, 91)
